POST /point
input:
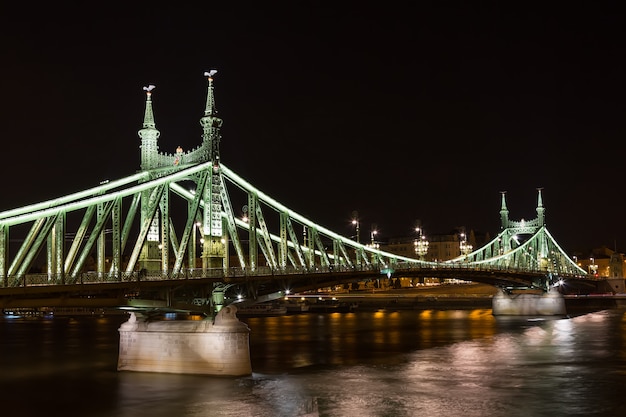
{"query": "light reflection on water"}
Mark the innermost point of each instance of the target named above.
(349, 339)
(403, 363)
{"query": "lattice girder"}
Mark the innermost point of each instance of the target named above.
(539, 253)
(293, 241)
(101, 212)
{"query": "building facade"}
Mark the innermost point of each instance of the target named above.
(441, 247)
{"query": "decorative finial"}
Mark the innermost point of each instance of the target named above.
(210, 73)
(149, 89)
(210, 109)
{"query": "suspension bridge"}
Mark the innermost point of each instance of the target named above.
(170, 232)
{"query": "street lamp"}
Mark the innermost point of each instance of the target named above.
(464, 246)
(421, 244)
(593, 268)
(373, 234)
(244, 210)
(373, 243)
(355, 222)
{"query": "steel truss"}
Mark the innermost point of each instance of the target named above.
(98, 232)
(96, 235)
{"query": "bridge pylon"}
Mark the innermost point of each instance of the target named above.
(525, 245)
(204, 219)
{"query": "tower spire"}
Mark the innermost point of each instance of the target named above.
(148, 118)
(210, 123)
(504, 212)
(210, 109)
(149, 134)
(540, 209)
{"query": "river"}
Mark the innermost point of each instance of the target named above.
(365, 363)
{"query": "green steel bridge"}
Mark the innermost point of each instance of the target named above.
(170, 232)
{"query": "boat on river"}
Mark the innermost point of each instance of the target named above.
(296, 306)
(332, 306)
(261, 309)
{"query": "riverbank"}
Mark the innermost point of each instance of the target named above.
(442, 297)
(456, 296)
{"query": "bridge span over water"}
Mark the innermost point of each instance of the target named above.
(170, 232)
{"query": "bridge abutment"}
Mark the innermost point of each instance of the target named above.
(551, 303)
(204, 347)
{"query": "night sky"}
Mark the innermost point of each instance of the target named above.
(420, 112)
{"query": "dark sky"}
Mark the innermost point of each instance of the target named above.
(424, 111)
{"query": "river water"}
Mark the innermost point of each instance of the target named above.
(366, 363)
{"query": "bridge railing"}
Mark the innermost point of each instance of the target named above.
(217, 274)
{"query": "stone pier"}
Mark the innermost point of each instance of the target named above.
(220, 347)
(551, 303)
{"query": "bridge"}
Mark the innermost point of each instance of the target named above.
(170, 234)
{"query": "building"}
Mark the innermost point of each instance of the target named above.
(441, 247)
(603, 263)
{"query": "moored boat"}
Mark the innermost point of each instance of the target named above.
(296, 307)
(332, 306)
(261, 309)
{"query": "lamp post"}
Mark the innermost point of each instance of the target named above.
(373, 234)
(421, 244)
(373, 244)
(355, 222)
(464, 246)
(593, 268)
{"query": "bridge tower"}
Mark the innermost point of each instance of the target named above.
(215, 246)
(510, 228)
(537, 254)
(155, 210)
(149, 259)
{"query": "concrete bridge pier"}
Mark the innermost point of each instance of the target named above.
(207, 347)
(550, 303)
